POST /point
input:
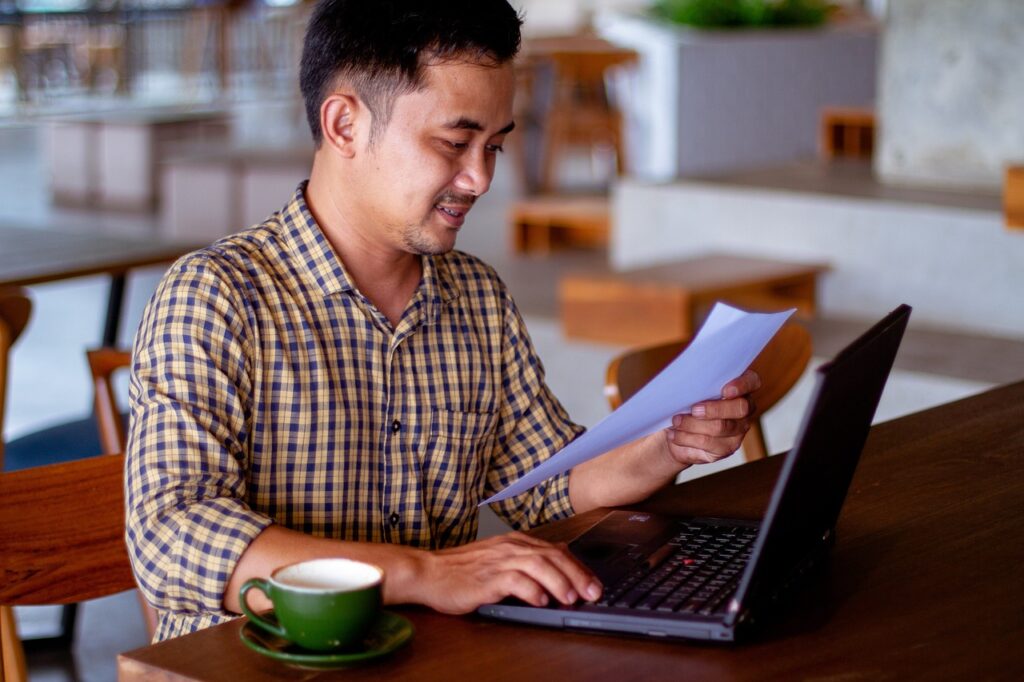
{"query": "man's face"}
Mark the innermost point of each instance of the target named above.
(436, 156)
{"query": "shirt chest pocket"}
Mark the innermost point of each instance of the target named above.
(454, 463)
(452, 425)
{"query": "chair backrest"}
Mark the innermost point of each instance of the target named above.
(61, 541)
(103, 362)
(587, 68)
(62, 532)
(780, 365)
(15, 309)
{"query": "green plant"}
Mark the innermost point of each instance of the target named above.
(743, 13)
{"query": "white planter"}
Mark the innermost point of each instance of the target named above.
(715, 101)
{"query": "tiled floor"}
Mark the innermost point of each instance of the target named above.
(49, 378)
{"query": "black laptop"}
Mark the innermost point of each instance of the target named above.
(710, 578)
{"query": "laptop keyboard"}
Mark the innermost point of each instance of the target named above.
(695, 572)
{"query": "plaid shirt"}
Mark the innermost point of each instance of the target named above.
(266, 389)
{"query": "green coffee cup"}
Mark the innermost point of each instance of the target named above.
(323, 604)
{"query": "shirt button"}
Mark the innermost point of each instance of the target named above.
(394, 519)
(396, 426)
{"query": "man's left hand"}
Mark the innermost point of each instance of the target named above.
(715, 428)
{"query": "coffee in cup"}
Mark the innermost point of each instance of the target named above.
(322, 604)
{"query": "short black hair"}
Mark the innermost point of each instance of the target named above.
(380, 47)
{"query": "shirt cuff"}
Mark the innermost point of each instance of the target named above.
(555, 494)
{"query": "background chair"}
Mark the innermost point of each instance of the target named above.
(15, 309)
(779, 365)
(581, 112)
(60, 443)
(103, 363)
(65, 442)
(68, 549)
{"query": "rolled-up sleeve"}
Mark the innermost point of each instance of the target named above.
(533, 426)
(187, 522)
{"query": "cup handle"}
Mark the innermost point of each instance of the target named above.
(257, 620)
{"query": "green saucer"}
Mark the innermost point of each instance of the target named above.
(389, 633)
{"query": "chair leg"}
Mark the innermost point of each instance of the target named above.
(554, 141)
(754, 447)
(12, 655)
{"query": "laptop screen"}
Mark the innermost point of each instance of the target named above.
(802, 514)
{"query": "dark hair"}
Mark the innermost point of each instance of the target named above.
(380, 46)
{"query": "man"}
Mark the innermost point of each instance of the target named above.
(338, 381)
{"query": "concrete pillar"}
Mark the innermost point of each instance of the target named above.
(951, 93)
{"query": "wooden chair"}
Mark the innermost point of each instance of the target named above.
(1013, 197)
(580, 112)
(68, 549)
(779, 365)
(15, 309)
(103, 363)
(847, 132)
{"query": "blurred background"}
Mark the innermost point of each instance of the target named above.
(837, 157)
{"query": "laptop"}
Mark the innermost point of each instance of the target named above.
(714, 578)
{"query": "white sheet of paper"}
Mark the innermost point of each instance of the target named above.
(723, 349)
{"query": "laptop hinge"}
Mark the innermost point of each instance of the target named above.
(740, 615)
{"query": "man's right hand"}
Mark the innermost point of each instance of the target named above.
(454, 580)
(459, 580)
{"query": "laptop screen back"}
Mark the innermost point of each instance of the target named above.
(816, 476)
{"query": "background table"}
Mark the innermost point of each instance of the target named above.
(668, 302)
(37, 256)
(922, 583)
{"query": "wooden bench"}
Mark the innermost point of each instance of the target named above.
(543, 223)
(657, 304)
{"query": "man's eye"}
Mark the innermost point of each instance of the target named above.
(457, 145)
(495, 148)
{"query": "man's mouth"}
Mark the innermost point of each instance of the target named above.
(454, 215)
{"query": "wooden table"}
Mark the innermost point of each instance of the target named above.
(923, 582)
(667, 302)
(37, 256)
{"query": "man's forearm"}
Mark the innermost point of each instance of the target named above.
(278, 546)
(625, 475)
(455, 580)
(714, 429)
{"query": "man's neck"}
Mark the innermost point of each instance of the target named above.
(386, 276)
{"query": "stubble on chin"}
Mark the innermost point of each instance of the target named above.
(418, 241)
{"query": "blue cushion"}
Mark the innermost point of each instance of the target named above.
(61, 443)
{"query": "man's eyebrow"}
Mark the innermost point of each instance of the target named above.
(469, 124)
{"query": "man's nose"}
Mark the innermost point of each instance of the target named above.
(475, 174)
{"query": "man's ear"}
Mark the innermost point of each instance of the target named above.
(343, 119)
